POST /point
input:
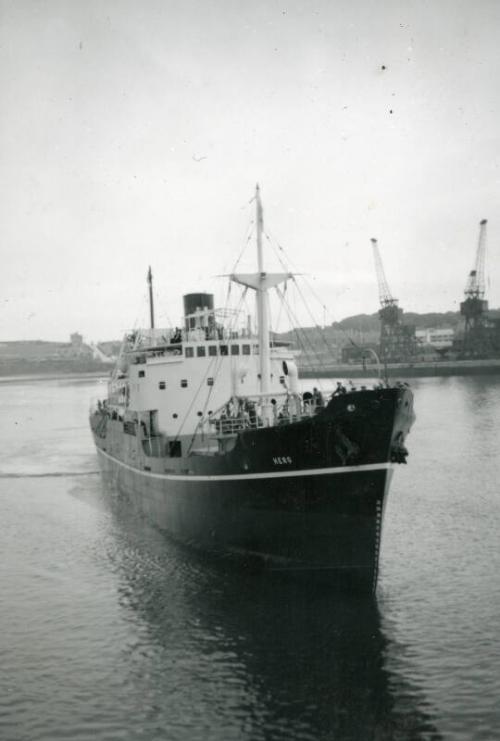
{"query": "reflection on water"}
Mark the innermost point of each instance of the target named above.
(289, 661)
(110, 631)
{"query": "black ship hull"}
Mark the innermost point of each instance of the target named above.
(325, 525)
(306, 499)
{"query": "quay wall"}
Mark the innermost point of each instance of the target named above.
(405, 370)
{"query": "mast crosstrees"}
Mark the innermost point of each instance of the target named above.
(261, 282)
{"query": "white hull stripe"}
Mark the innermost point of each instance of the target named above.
(246, 476)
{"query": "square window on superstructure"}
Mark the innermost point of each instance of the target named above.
(224, 350)
(142, 374)
(184, 383)
(210, 381)
(162, 385)
(174, 448)
(189, 352)
(212, 349)
(245, 349)
(235, 349)
(201, 351)
(255, 349)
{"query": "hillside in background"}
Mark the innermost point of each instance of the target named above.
(367, 326)
(317, 344)
(39, 357)
(324, 344)
(431, 320)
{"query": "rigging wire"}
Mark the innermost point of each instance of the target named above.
(195, 396)
(321, 332)
(271, 238)
(249, 233)
(217, 366)
(281, 306)
(297, 329)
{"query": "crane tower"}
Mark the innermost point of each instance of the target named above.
(397, 340)
(474, 307)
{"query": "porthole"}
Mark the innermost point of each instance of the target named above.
(175, 415)
(351, 407)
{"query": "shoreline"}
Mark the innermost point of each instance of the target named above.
(406, 370)
(53, 376)
(415, 370)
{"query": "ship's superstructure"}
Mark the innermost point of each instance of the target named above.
(207, 431)
(182, 381)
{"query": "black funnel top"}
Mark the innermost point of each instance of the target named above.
(193, 301)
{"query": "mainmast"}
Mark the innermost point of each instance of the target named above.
(262, 302)
(151, 303)
(261, 282)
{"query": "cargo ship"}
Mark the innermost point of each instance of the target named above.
(208, 432)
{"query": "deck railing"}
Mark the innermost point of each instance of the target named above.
(229, 425)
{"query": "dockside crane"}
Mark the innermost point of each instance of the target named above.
(389, 312)
(397, 340)
(474, 306)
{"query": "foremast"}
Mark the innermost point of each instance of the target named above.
(151, 302)
(261, 282)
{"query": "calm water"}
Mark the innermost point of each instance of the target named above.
(110, 631)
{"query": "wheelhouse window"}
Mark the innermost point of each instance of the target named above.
(212, 349)
(142, 374)
(235, 349)
(210, 381)
(224, 350)
(255, 349)
(184, 383)
(245, 349)
(201, 351)
(162, 385)
(189, 352)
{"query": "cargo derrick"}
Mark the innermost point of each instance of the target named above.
(397, 340)
(477, 333)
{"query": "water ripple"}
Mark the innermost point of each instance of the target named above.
(109, 630)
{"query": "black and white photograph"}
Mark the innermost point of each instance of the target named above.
(249, 370)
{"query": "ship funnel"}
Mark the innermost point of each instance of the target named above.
(199, 311)
(197, 301)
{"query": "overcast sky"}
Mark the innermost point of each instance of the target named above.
(133, 132)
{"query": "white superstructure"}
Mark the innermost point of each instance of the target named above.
(179, 382)
(186, 382)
